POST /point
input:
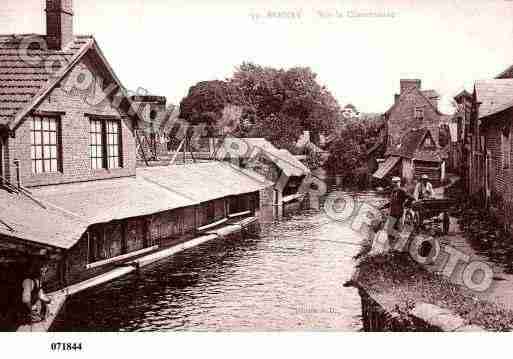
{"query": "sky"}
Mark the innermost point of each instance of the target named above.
(359, 49)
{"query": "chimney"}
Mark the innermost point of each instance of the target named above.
(407, 84)
(396, 98)
(59, 23)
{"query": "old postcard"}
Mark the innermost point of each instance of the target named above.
(255, 166)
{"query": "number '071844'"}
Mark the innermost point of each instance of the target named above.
(66, 346)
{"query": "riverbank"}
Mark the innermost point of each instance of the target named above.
(402, 286)
(59, 298)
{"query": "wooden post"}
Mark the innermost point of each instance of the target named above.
(88, 256)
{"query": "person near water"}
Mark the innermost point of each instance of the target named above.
(423, 189)
(399, 198)
(33, 298)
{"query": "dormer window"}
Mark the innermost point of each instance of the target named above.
(419, 113)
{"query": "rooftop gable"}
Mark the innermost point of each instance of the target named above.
(29, 72)
(494, 96)
(426, 94)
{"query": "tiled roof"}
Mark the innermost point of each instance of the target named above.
(23, 75)
(205, 181)
(25, 219)
(410, 142)
(494, 95)
(409, 147)
(285, 160)
(386, 167)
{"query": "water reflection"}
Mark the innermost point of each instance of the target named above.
(288, 279)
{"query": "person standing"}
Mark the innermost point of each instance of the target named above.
(423, 189)
(33, 297)
(398, 199)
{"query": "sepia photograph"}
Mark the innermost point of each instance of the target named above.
(255, 166)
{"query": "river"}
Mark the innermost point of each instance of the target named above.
(288, 278)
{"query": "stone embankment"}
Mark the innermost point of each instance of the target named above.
(378, 316)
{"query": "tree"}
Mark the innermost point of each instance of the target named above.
(206, 101)
(348, 148)
(276, 104)
(285, 102)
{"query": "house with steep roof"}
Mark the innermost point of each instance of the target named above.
(414, 135)
(490, 167)
(416, 154)
(69, 186)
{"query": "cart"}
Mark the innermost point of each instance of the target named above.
(430, 210)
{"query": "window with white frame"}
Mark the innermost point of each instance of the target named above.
(113, 158)
(105, 143)
(44, 140)
(96, 145)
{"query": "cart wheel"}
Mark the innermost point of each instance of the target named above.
(446, 223)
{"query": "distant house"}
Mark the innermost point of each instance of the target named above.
(416, 155)
(413, 135)
(305, 146)
(350, 112)
(490, 168)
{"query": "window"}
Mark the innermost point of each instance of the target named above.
(113, 144)
(105, 144)
(44, 145)
(96, 149)
(428, 142)
(419, 113)
(506, 148)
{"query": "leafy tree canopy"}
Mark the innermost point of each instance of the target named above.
(276, 104)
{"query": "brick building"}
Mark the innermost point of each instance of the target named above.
(69, 183)
(414, 136)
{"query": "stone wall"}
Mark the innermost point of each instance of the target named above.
(423, 317)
